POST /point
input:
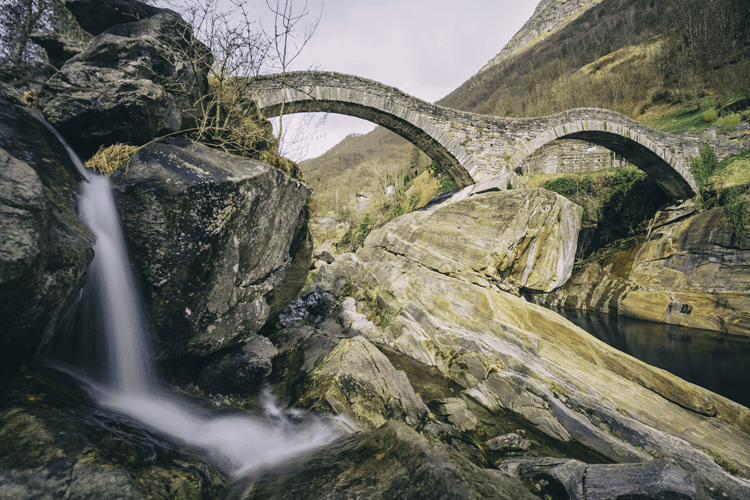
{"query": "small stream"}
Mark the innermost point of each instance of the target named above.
(716, 361)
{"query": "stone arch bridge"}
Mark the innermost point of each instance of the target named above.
(472, 147)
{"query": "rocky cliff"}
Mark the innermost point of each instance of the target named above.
(690, 270)
(549, 17)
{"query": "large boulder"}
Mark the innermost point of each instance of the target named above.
(133, 82)
(220, 241)
(519, 239)
(58, 46)
(56, 444)
(359, 382)
(97, 16)
(240, 371)
(44, 249)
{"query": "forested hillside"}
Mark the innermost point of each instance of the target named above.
(702, 46)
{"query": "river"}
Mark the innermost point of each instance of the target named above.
(717, 361)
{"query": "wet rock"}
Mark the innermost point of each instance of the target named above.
(220, 241)
(44, 249)
(241, 371)
(309, 308)
(150, 72)
(309, 343)
(55, 444)
(390, 462)
(358, 381)
(80, 481)
(508, 442)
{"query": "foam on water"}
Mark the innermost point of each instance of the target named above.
(239, 443)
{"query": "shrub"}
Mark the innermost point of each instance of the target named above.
(584, 191)
(731, 199)
(621, 182)
(735, 207)
(446, 182)
(564, 186)
(729, 122)
(704, 166)
(364, 228)
(710, 115)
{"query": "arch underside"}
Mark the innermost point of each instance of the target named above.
(661, 171)
(412, 133)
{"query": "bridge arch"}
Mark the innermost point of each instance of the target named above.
(304, 92)
(472, 147)
(640, 145)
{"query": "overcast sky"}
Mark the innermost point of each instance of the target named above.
(426, 48)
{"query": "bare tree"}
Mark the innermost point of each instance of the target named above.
(287, 41)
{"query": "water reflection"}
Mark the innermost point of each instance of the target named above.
(714, 360)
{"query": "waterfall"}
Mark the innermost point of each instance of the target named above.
(238, 443)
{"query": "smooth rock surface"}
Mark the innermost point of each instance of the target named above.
(518, 239)
(691, 270)
(695, 273)
(220, 241)
(509, 354)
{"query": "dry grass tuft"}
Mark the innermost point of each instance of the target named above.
(284, 164)
(28, 98)
(108, 160)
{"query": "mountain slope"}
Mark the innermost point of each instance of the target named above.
(549, 17)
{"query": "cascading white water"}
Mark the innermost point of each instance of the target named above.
(239, 443)
(130, 369)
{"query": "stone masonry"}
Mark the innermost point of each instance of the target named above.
(473, 147)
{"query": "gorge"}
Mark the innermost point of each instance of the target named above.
(413, 368)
